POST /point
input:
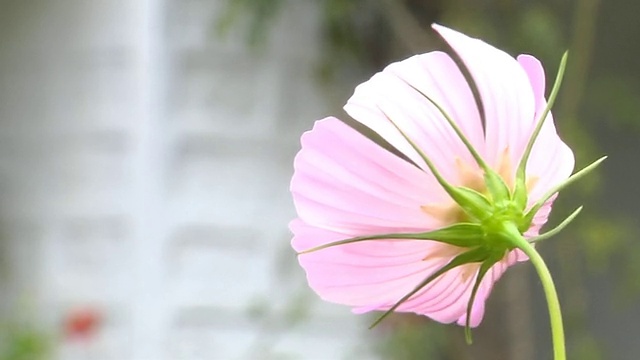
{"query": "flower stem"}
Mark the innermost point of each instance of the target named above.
(555, 315)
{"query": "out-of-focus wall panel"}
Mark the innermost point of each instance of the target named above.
(144, 169)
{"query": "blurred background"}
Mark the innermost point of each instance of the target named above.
(146, 148)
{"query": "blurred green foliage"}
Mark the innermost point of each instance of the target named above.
(21, 342)
(409, 337)
(261, 13)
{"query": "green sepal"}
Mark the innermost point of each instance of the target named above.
(473, 203)
(520, 197)
(528, 218)
(474, 255)
(520, 191)
(482, 271)
(496, 186)
(460, 234)
(556, 229)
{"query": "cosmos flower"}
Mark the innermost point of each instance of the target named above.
(427, 228)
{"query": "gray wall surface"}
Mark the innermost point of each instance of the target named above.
(144, 169)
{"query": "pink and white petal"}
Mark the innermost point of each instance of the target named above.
(539, 219)
(444, 83)
(374, 274)
(347, 183)
(446, 298)
(484, 290)
(503, 86)
(551, 160)
(452, 307)
(535, 72)
(363, 274)
(398, 93)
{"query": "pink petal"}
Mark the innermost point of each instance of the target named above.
(345, 182)
(490, 278)
(535, 73)
(447, 298)
(374, 275)
(362, 274)
(551, 160)
(397, 93)
(505, 90)
(345, 185)
(512, 95)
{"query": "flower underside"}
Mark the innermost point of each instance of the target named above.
(487, 214)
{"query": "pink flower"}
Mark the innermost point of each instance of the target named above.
(347, 186)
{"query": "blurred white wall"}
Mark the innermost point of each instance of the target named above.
(144, 169)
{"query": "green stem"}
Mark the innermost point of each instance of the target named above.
(555, 315)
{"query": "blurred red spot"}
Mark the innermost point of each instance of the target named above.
(82, 323)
